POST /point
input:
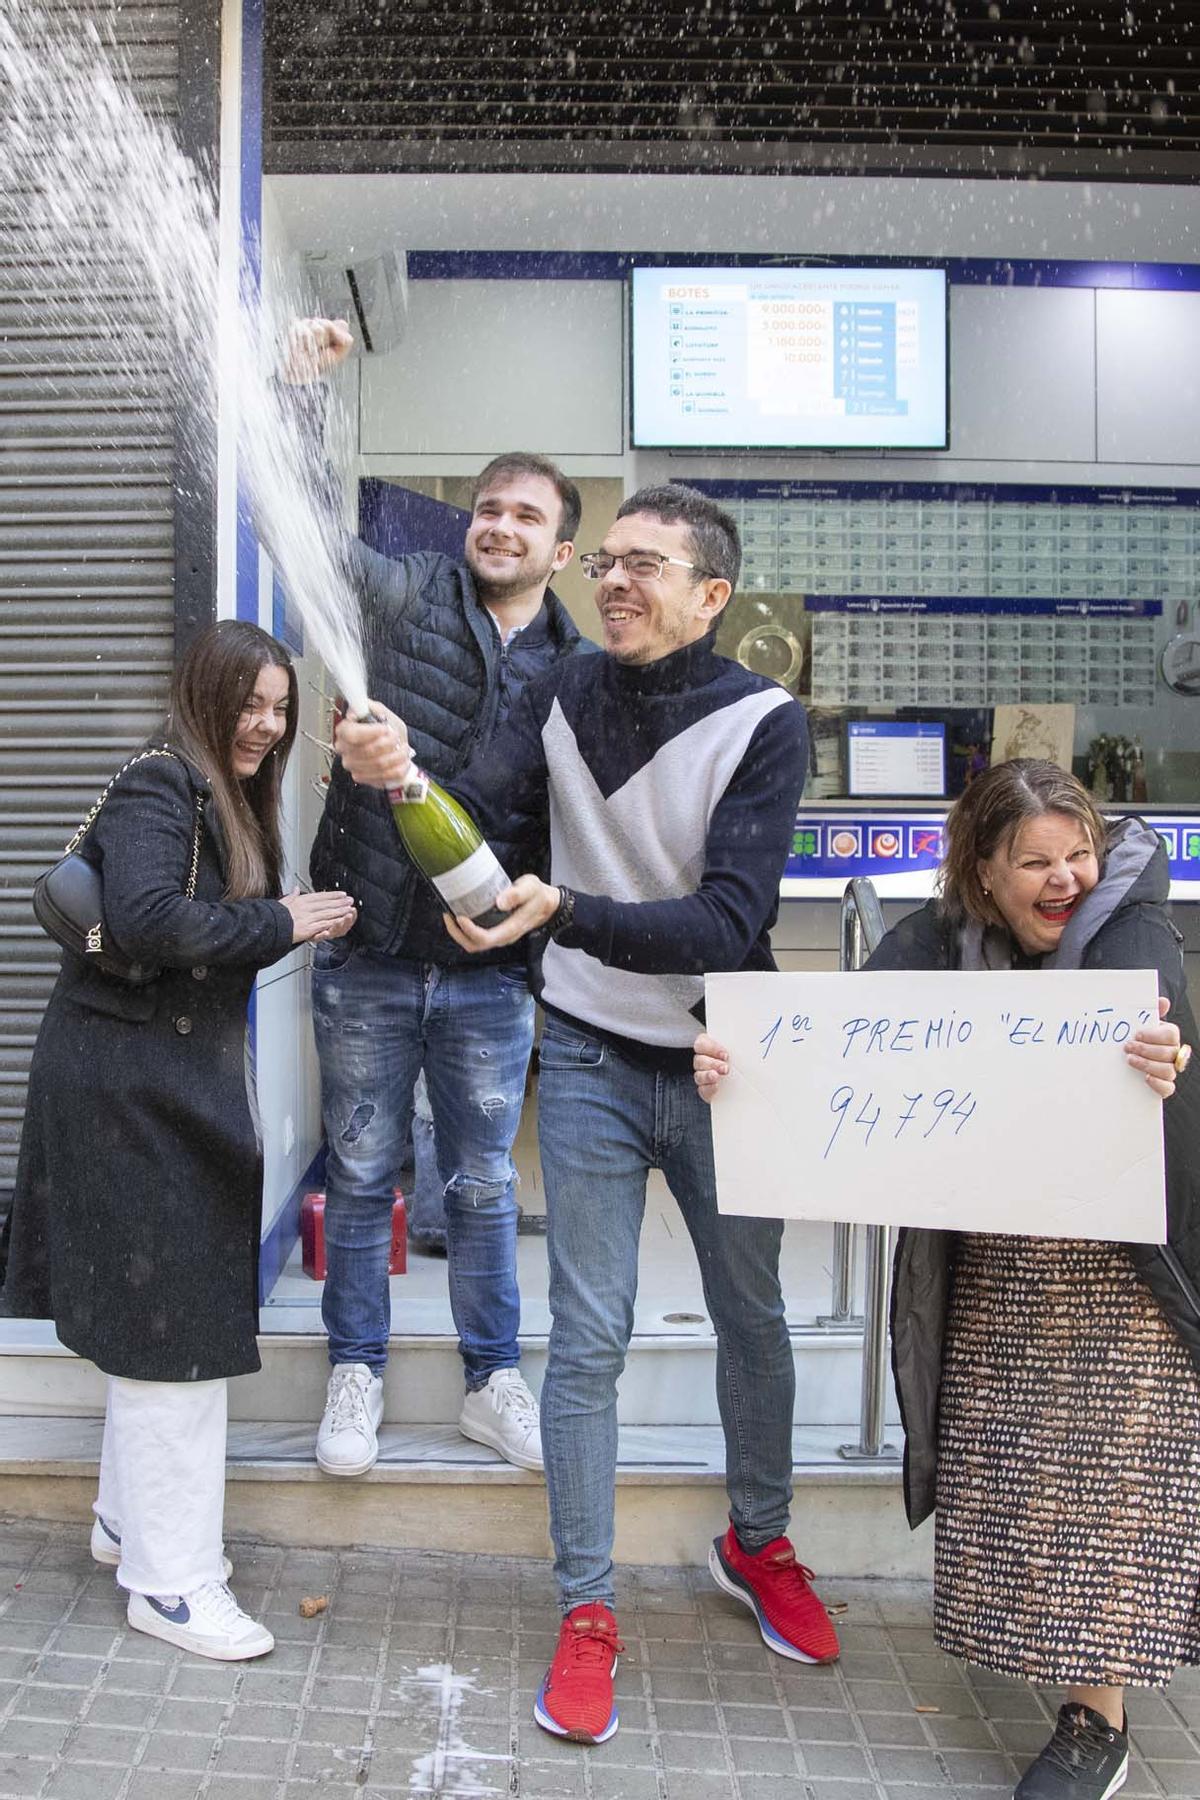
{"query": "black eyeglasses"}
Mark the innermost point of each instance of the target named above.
(639, 565)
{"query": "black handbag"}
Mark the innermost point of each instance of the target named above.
(68, 900)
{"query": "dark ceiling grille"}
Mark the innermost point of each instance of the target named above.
(1050, 88)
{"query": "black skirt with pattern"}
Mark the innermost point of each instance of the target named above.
(1068, 1498)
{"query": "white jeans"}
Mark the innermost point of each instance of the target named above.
(162, 1482)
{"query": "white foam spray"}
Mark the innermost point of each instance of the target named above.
(452, 1766)
(123, 229)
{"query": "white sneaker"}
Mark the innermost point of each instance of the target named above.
(505, 1415)
(348, 1441)
(209, 1622)
(106, 1547)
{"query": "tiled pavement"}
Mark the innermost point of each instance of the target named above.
(419, 1677)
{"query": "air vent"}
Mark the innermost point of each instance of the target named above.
(1108, 89)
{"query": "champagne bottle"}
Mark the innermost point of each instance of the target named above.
(449, 849)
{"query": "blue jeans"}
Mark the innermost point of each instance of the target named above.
(603, 1124)
(427, 1205)
(378, 1021)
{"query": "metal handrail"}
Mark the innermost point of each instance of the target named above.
(860, 929)
(861, 926)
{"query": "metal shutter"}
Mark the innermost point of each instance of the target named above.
(995, 87)
(86, 567)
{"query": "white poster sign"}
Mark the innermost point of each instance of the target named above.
(977, 1102)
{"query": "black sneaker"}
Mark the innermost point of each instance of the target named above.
(1086, 1759)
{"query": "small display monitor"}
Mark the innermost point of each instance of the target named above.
(895, 759)
(789, 358)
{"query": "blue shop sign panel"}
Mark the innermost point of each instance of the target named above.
(900, 852)
(839, 846)
(973, 605)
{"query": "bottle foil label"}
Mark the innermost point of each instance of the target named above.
(471, 886)
(414, 791)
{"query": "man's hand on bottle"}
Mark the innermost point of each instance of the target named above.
(375, 752)
(313, 347)
(529, 903)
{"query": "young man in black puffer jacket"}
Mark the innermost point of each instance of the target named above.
(449, 646)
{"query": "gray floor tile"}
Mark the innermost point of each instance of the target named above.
(707, 1712)
(1179, 1778)
(626, 1784)
(1170, 1742)
(128, 1712)
(17, 1635)
(85, 1781)
(252, 1756)
(105, 1744)
(15, 1664)
(902, 1730)
(844, 1761)
(553, 1778)
(32, 1737)
(913, 1766)
(227, 1787)
(979, 1768)
(763, 1756)
(21, 1775)
(178, 1751)
(755, 1721)
(824, 1727)
(152, 1784)
(957, 1734)
(37, 1702)
(691, 1751)
(847, 1790)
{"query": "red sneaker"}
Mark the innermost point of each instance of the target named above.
(576, 1699)
(775, 1588)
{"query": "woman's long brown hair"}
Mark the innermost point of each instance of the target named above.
(988, 817)
(212, 683)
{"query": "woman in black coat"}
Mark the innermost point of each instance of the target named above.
(1050, 1388)
(136, 1214)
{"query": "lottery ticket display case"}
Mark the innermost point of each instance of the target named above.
(933, 627)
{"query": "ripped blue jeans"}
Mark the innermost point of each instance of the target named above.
(378, 1021)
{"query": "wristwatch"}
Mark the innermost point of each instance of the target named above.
(564, 918)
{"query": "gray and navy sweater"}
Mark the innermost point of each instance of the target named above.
(671, 789)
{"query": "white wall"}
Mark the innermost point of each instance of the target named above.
(783, 215)
(488, 364)
(1046, 384)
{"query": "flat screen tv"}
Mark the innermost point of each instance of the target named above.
(806, 358)
(895, 758)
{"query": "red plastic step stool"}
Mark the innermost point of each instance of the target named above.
(312, 1235)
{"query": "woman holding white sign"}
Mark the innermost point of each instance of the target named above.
(1050, 1388)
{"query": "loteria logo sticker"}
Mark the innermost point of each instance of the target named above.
(1170, 838)
(925, 840)
(843, 840)
(886, 843)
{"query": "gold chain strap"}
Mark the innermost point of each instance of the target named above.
(190, 890)
(142, 755)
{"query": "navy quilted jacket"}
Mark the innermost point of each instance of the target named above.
(434, 656)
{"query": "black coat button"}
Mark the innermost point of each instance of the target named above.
(200, 973)
(183, 1025)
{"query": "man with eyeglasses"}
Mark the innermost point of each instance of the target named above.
(670, 776)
